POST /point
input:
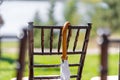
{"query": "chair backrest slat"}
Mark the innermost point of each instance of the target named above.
(76, 40)
(59, 40)
(86, 39)
(68, 38)
(51, 39)
(42, 40)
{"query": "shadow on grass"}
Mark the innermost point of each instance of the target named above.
(9, 60)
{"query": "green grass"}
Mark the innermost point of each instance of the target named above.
(9, 44)
(91, 66)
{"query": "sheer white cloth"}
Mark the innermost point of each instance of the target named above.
(64, 70)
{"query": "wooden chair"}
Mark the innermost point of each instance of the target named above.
(21, 54)
(104, 47)
(57, 30)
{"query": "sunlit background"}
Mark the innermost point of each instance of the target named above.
(17, 13)
(101, 13)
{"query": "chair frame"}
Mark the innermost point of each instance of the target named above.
(104, 46)
(58, 52)
(21, 56)
(22, 51)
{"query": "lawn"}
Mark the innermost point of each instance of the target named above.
(91, 67)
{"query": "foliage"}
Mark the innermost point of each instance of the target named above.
(91, 1)
(37, 21)
(108, 16)
(70, 12)
(97, 20)
(51, 16)
(113, 15)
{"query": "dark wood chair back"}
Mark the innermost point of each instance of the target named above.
(73, 37)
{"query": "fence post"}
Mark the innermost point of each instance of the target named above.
(104, 53)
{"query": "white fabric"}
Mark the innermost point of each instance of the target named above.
(64, 70)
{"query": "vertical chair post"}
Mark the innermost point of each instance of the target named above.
(21, 58)
(0, 48)
(104, 57)
(30, 42)
(84, 49)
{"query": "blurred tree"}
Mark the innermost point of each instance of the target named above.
(1, 1)
(108, 16)
(70, 12)
(37, 21)
(91, 1)
(92, 14)
(51, 20)
(113, 15)
(1, 19)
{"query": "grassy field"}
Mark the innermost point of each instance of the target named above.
(10, 44)
(91, 67)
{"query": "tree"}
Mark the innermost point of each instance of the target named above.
(51, 16)
(71, 13)
(91, 1)
(113, 14)
(110, 16)
(37, 21)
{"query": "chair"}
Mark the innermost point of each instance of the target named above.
(105, 42)
(73, 36)
(21, 55)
